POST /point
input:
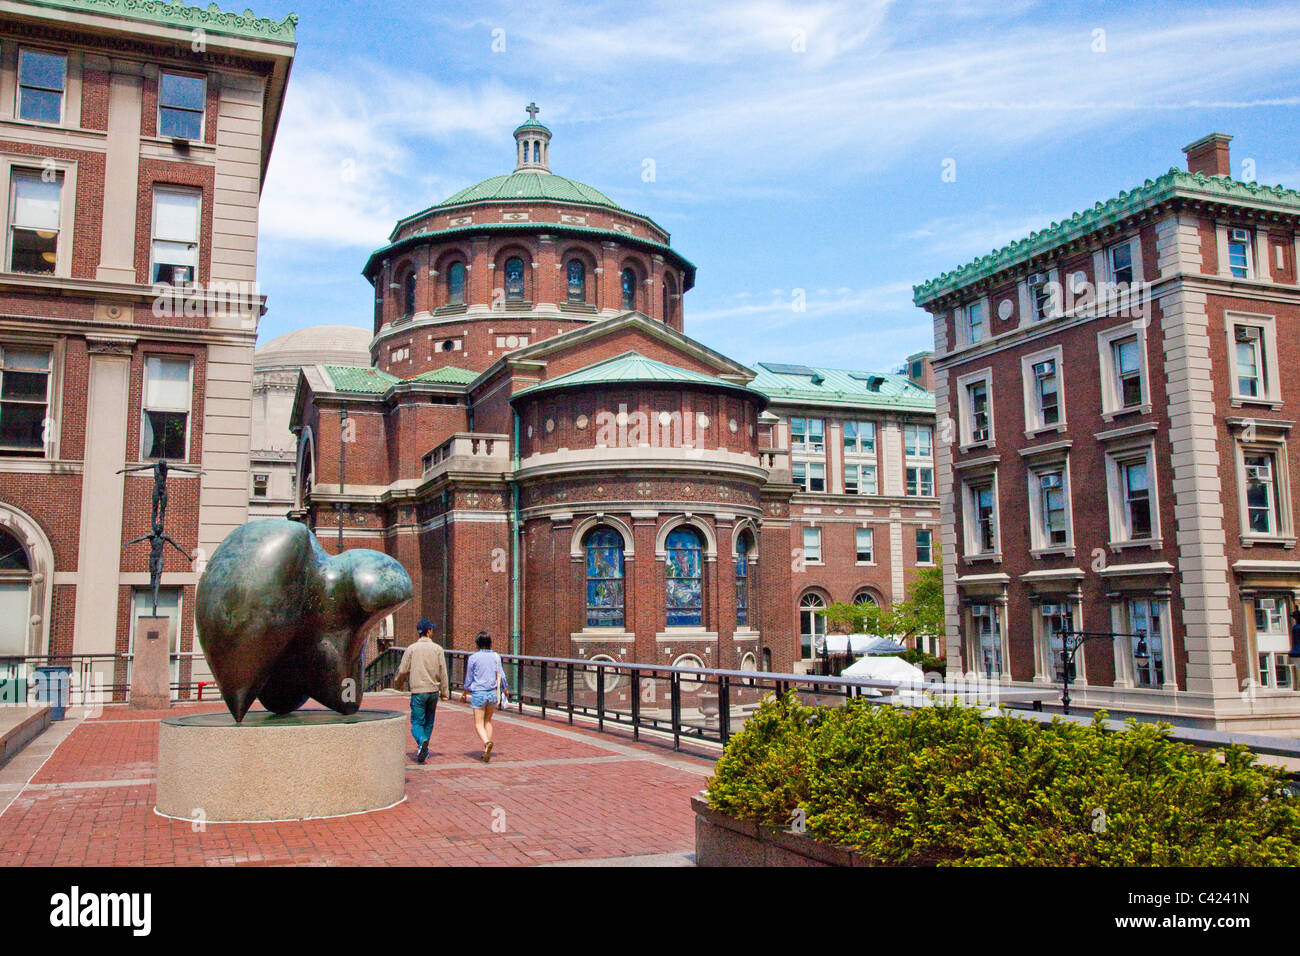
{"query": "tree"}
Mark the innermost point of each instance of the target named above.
(920, 614)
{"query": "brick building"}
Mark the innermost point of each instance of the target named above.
(553, 459)
(1116, 397)
(134, 139)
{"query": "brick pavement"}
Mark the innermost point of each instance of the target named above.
(552, 794)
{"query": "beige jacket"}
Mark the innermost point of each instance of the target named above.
(424, 669)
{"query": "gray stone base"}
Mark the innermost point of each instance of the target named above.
(721, 840)
(305, 765)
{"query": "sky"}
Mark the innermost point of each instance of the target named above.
(814, 160)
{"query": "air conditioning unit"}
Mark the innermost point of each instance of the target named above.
(1241, 235)
(979, 610)
(980, 434)
(1052, 610)
(1038, 278)
(1247, 333)
(1049, 481)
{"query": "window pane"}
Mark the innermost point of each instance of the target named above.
(164, 434)
(180, 124)
(456, 284)
(604, 578)
(36, 200)
(46, 70)
(577, 276)
(184, 92)
(684, 585)
(514, 279)
(176, 216)
(168, 384)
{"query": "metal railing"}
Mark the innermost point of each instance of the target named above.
(97, 678)
(683, 702)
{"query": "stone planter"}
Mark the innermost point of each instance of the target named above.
(722, 840)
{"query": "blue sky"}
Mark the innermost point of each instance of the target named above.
(795, 146)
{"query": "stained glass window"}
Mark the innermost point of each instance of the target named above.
(629, 289)
(685, 582)
(456, 284)
(742, 579)
(577, 275)
(604, 578)
(515, 279)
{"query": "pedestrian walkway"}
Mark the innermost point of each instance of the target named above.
(83, 794)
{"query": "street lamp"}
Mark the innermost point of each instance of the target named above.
(1072, 641)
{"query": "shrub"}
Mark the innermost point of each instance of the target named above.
(943, 785)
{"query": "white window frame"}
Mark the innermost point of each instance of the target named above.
(1039, 542)
(18, 85)
(1270, 648)
(918, 430)
(966, 338)
(857, 450)
(870, 559)
(916, 543)
(1111, 396)
(197, 196)
(1028, 314)
(1121, 622)
(974, 545)
(1270, 378)
(1255, 266)
(49, 446)
(966, 411)
(67, 210)
(993, 610)
(812, 544)
(145, 408)
(918, 467)
(808, 445)
(1044, 655)
(1275, 445)
(1120, 525)
(203, 112)
(1034, 423)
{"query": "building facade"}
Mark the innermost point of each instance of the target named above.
(134, 139)
(1116, 400)
(554, 460)
(276, 365)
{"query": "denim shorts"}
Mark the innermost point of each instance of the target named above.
(482, 698)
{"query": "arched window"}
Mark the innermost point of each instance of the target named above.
(537, 150)
(742, 579)
(514, 279)
(629, 289)
(408, 297)
(577, 276)
(812, 624)
(665, 298)
(604, 577)
(865, 597)
(456, 284)
(15, 596)
(685, 579)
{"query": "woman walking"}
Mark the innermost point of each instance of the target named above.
(485, 685)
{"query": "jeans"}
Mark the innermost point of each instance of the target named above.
(423, 709)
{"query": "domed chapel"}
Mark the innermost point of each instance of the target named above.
(551, 457)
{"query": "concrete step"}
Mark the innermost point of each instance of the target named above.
(19, 726)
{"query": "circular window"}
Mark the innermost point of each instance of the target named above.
(449, 345)
(689, 682)
(550, 425)
(733, 426)
(593, 675)
(512, 341)
(581, 421)
(702, 420)
(1005, 308)
(530, 431)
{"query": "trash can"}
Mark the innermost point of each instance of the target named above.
(53, 687)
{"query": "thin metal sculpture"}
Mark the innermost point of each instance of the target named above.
(157, 515)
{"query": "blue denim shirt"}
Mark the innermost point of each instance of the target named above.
(482, 669)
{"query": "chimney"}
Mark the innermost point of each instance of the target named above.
(919, 371)
(1209, 155)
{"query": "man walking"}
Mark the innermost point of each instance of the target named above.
(424, 669)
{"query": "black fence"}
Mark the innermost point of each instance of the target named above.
(686, 703)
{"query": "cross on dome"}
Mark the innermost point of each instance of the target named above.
(532, 144)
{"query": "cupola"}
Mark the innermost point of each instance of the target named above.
(532, 144)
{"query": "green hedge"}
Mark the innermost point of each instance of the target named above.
(944, 785)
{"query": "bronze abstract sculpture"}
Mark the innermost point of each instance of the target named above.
(280, 620)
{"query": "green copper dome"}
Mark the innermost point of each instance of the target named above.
(530, 184)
